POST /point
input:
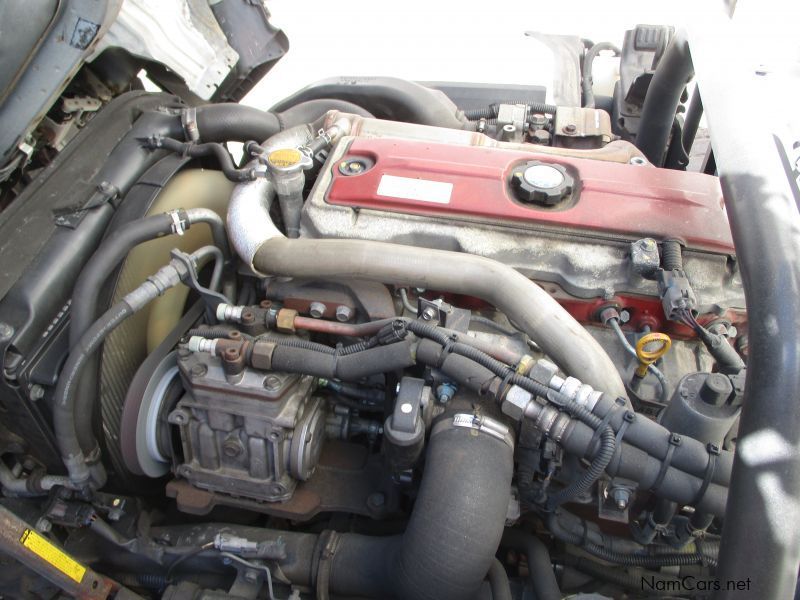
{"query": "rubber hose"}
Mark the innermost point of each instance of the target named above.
(633, 560)
(540, 569)
(558, 334)
(498, 581)
(64, 422)
(213, 149)
(681, 481)
(673, 72)
(107, 257)
(588, 60)
(454, 530)
(608, 446)
(385, 97)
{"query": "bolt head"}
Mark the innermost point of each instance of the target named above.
(343, 313)
(199, 370)
(6, 332)
(317, 309)
(272, 382)
(428, 314)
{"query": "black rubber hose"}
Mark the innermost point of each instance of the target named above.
(83, 309)
(349, 367)
(64, 422)
(540, 569)
(234, 122)
(213, 149)
(673, 72)
(385, 97)
(454, 530)
(681, 481)
(634, 560)
(498, 581)
(608, 446)
(588, 60)
(311, 110)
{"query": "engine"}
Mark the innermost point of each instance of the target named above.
(384, 357)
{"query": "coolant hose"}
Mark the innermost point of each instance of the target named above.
(454, 530)
(547, 323)
(540, 570)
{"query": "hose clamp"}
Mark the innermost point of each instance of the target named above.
(180, 222)
(189, 123)
(482, 424)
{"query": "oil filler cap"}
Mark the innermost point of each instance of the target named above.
(541, 183)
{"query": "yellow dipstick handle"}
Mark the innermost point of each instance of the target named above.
(649, 349)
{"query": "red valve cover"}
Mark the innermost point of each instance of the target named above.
(613, 200)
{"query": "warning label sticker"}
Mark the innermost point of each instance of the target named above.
(42, 548)
(408, 188)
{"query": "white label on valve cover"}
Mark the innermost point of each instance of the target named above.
(408, 188)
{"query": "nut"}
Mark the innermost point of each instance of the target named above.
(515, 402)
(543, 371)
(261, 357)
(284, 321)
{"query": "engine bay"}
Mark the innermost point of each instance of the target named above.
(441, 352)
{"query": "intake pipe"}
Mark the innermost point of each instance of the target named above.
(262, 246)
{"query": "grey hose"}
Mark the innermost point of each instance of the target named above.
(30, 486)
(498, 581)
(632, 351)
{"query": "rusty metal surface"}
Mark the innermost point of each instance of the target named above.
(91, 586)
(372, 299)
(347, 479)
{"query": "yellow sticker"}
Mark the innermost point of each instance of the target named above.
(286, 157)
(49, 553)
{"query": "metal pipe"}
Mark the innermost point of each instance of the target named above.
(760, 539)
